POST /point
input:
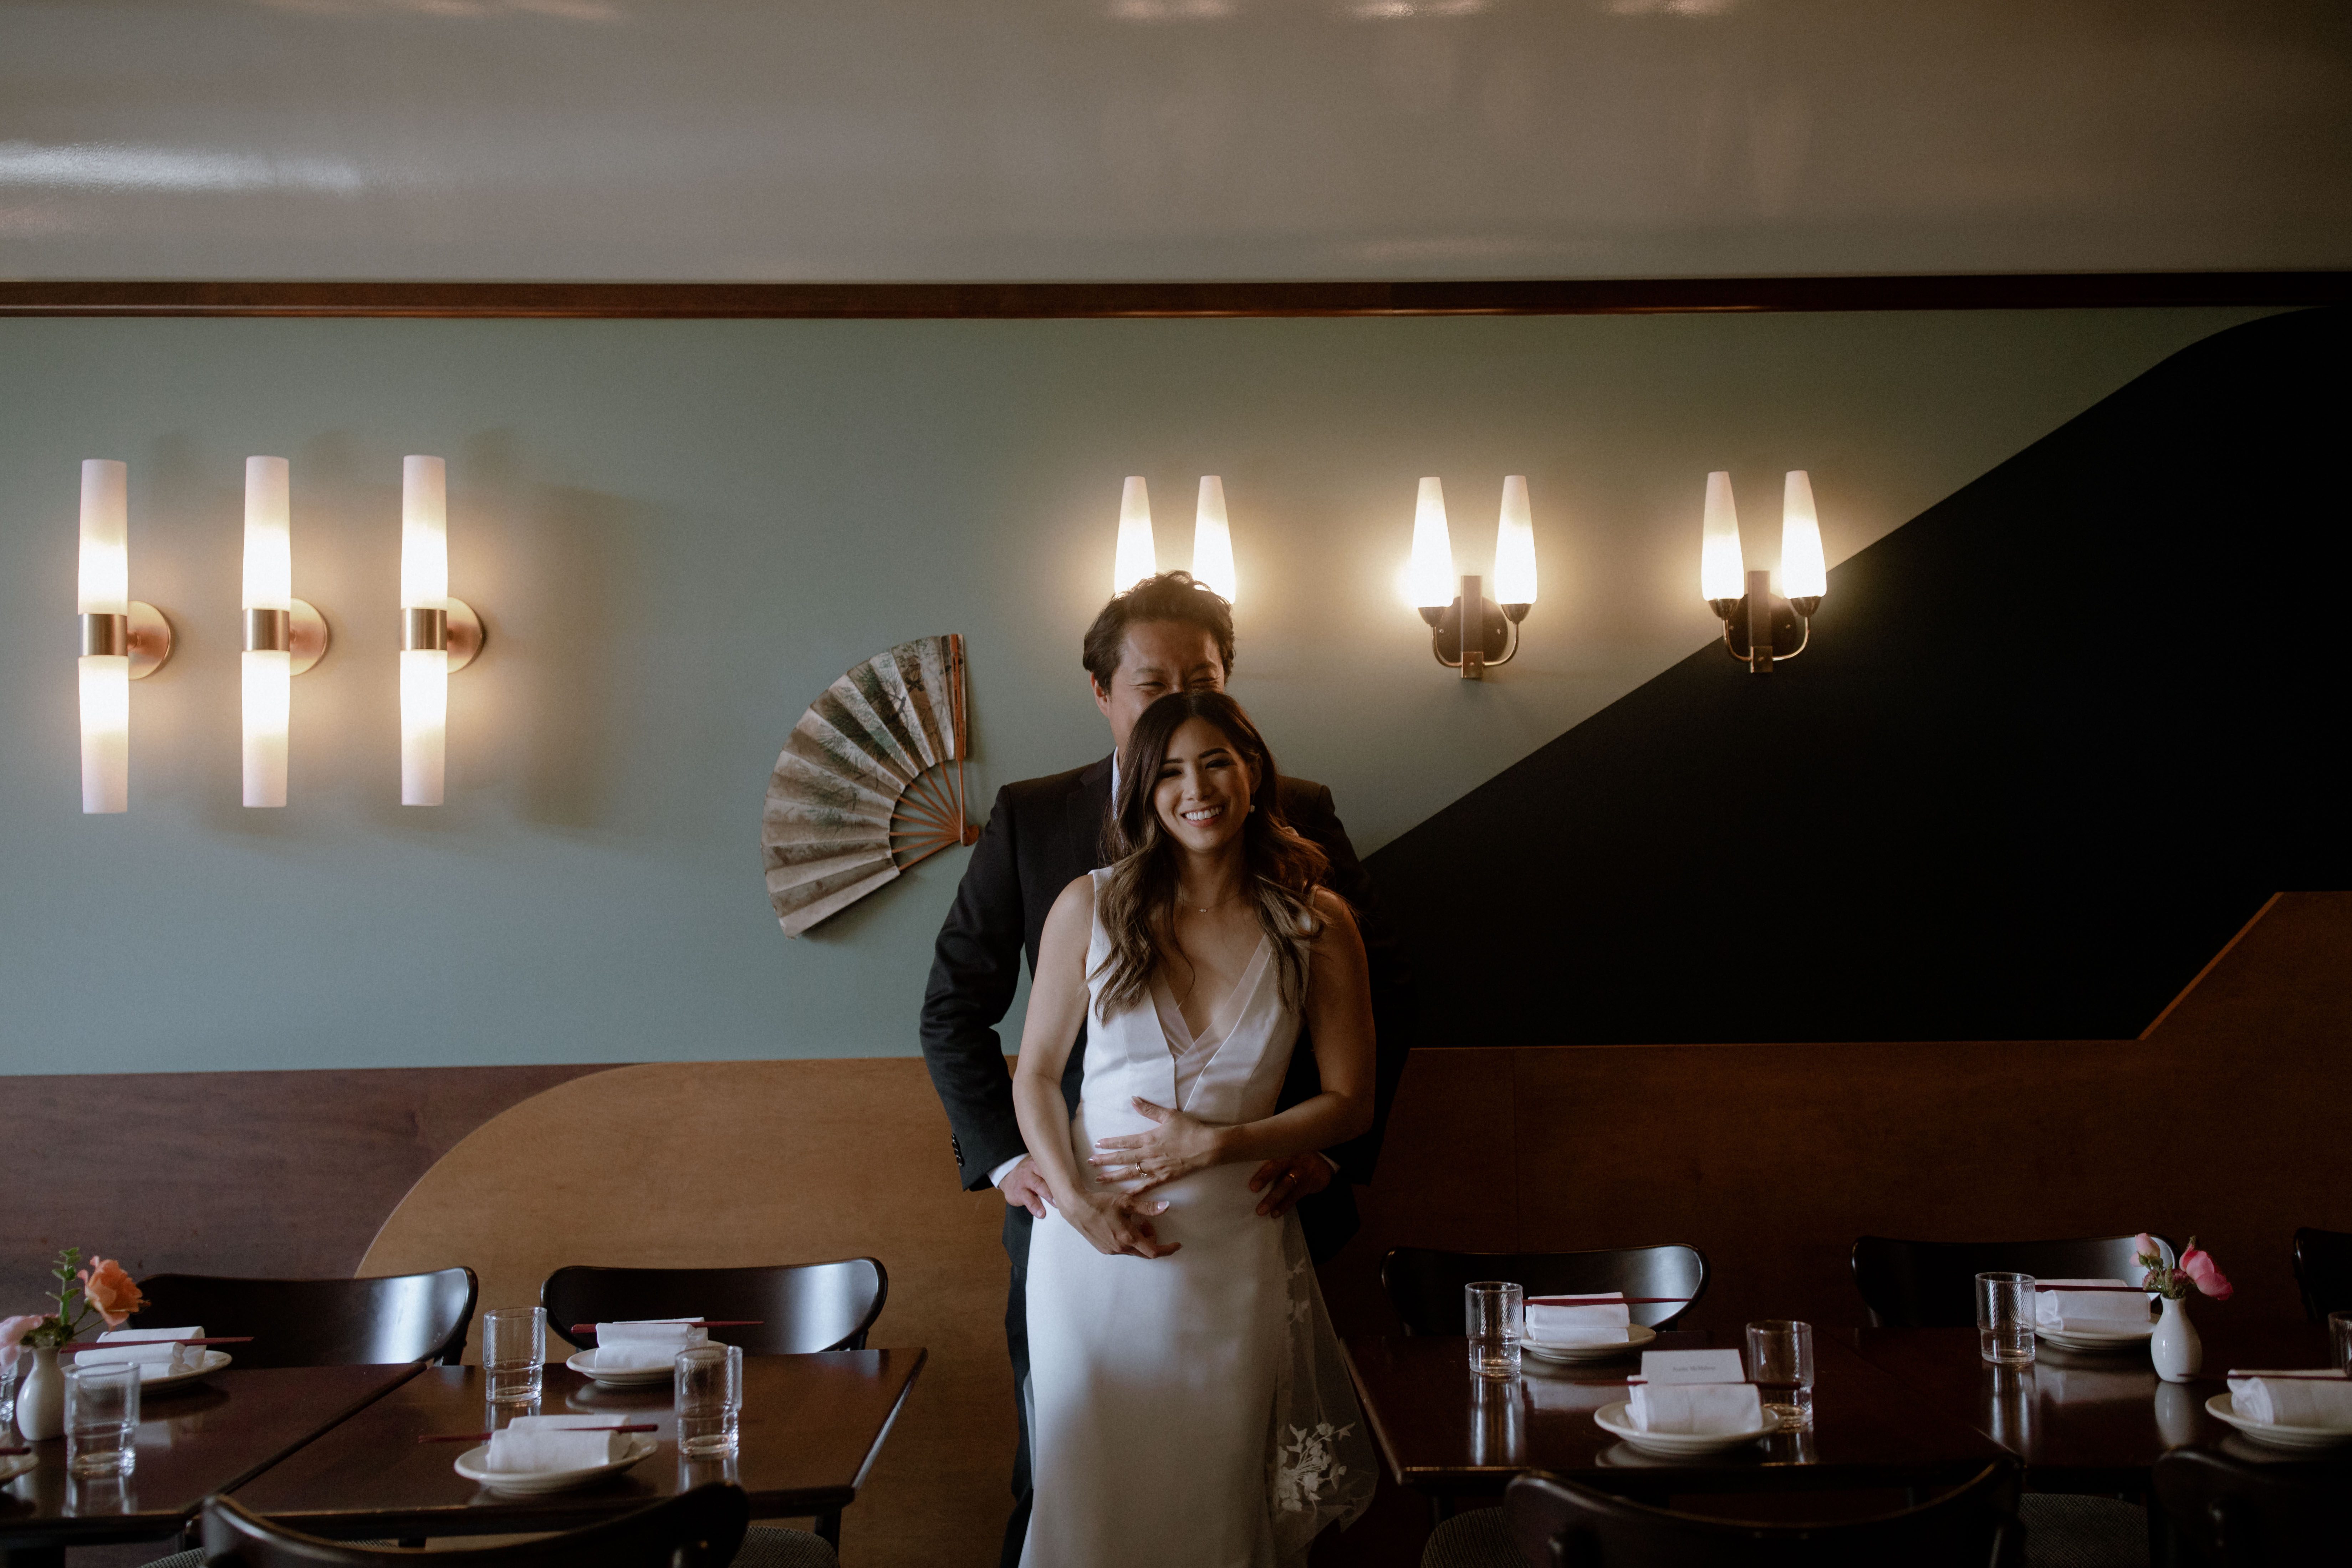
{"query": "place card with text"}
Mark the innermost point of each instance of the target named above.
(1693, 1366)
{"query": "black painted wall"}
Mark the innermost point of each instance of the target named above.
(2055, 741)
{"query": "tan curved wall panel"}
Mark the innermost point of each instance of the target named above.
(704, 1164)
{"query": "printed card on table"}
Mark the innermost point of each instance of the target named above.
(1693, 1366)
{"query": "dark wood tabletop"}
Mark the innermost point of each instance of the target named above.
(811, 1426)
(2090, 1423)
(1448, 1432)
(192, 1441)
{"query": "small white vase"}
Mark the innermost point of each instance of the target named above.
(2174, 1348)
(41, 1398)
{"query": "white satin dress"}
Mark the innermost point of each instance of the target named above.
(1192, 1410)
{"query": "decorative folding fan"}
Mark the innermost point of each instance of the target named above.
(864, 788)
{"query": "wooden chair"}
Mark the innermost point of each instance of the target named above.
(2323, 1269)
(1425, 1284)
(1932, 1284)
(1556, 1523)
(320, 1322)
(797, 1307)
(2219, 1510)
(700, 1529)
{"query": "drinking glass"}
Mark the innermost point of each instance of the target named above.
(2339, 1338)
(1780, 1366)
(102, 1418)
(709, 1380)
(8, 1375)
(1496, 1311)
(514, 1353)
(2005, 1318)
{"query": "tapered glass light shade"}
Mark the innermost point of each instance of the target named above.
(105, 590)
(1722, 575)
(1514, 546)
(1212, 540)
(269, 673)
(1803, 574)
(423, 672)
(1430, 582)
(1135, 559)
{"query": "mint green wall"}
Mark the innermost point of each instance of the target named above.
(679, 532)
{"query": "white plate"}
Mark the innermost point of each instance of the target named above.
(212, 1361)
(584, 1363)
(2302, 1439)
(532, 1483)
(1617, 1420)
(1635, 1338)
(2094, 1340)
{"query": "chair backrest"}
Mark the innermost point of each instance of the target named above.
(320, 1322)
(1556, 1523)
(1425, 1284)
(796, 1306)
(2323, 1269)
(2250, 1515)
(700, 1529)
(1932, 1284)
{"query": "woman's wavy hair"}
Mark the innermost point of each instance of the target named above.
(1280, 869)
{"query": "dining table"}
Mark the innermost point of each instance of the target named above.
(810, 1428)
(1453, 1436)
(208, 1436)
(2091, 1423)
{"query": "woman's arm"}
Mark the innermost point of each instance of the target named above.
(1113, 1222)
(1339, 1016)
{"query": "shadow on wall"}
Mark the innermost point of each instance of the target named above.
(2053, 742)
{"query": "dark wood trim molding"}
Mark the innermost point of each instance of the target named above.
(1960, 292)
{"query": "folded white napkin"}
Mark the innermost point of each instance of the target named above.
(154, 1350)
(1579, 1319)
(2268, 1397)
(2110, 1312)
(644, 1344)
(542, 1443)
(1699, 1408)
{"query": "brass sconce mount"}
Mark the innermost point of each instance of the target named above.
(300, 632)
(144, 635)
(1762, 626)
(453, 627)
(1473, 644)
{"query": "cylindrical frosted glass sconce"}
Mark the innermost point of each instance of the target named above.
(284, 636)
(123, 638)
(1804, 575)
(439, 634)
(1722, 570)
(1430, 581)
(1514, 546)
(1212, 540)
(1135, 559)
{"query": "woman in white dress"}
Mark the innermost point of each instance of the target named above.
(1187, 1402)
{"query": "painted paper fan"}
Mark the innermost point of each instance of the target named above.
(870, 782)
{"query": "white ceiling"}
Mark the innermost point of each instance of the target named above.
(876, 139)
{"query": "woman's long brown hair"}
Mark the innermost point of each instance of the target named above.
(1280, 869)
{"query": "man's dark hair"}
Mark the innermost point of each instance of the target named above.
(1169, 596)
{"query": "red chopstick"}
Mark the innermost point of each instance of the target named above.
(485, 1437)
(1609, 1301)
(118, 1344)
(2308, 1376)
(694, 1323)
(11, 1453)
(2102, 1289)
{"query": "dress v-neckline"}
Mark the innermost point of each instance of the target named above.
(1183, 1044)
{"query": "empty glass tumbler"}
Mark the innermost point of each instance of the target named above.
(514, 1353)
(709, 1381)
(2005, 1318)
(1780, 1366)
(102, 1418)
(1496, 1313)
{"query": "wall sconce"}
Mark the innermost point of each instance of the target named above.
(439, 634)
(284, 636)
(1135, 559)
(1468, 631)
(1212, 539)
(123, 639)
(1759, 625)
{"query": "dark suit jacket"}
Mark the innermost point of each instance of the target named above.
(1044, 833)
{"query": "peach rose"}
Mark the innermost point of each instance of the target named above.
(108, 1288)
(12, 1336)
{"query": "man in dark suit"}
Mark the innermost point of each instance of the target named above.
(1166, 634)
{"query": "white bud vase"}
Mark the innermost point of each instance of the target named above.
(2174, 1347)
(41, 1398)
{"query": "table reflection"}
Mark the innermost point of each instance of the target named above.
(1792, 1447)
(2180, 1409)
(693, 1472)
(2009, 1402)
(1498, 1426)
(101, 1497)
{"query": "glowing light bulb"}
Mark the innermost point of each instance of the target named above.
(424, 652)
(1212, 540)
(1514, 546)
(268, 669)
(1430, 581)
(1803, 574)
(1722, 575)
(105, 677)
(1135, 560)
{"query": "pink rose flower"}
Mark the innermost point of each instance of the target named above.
(2144, 1247)
(2202, 1273)
(107, 1288)
(12, 1336)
